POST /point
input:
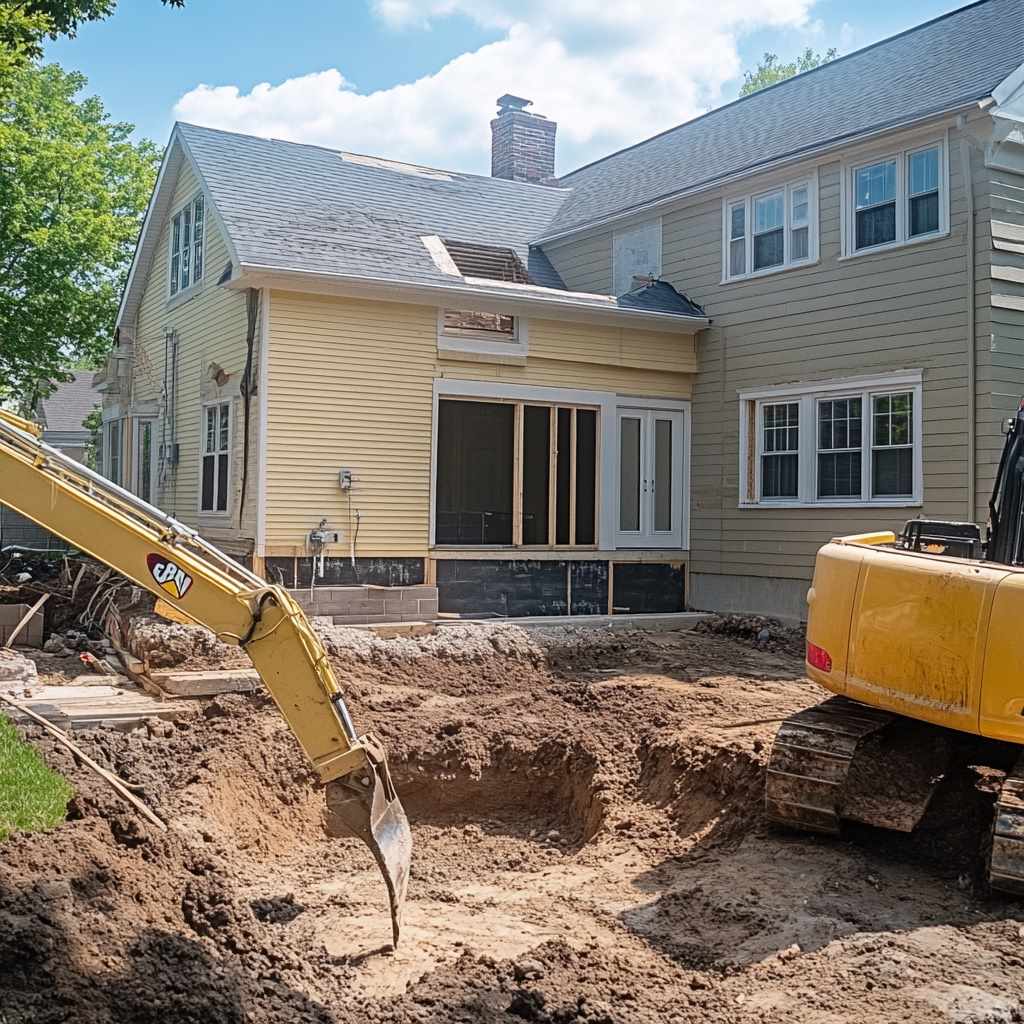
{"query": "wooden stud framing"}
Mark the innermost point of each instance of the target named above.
(519, 415)
(572, 476)
(552, 473)
(611, 588)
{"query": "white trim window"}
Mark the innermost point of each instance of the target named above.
(145, 468)
(482, 334)
(215, 464)
(847, 442)
(770, 231)
(897, 198)
(113, 451)
(188, 236)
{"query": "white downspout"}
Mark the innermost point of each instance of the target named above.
(972, 357)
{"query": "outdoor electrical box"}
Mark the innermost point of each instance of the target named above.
(345, 479)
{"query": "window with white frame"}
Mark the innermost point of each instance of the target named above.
(188, 233)
(856, 442)
(215, 467)
(771, 230)
(897, 198)
(113, 450)
(481, 334)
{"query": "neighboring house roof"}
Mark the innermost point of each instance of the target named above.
(941, 65)
(63, 411)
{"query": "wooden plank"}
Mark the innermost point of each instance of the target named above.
(25, 619)
(207, 684)
(117, 784)
(572, 476)
(517, 475)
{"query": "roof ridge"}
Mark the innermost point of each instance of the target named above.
(375, 156)
(776, 85)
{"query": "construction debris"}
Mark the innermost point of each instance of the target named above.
(17, 673)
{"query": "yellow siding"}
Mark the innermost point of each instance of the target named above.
(210, 324)
(351, 385)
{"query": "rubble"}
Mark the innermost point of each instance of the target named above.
(17, 673)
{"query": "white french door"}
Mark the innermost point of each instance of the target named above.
(651, 450)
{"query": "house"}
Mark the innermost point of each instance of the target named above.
(61, 415)
(665, 377)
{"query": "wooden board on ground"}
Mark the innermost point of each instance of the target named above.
(390, 630)
(83, 707)
(206, 684)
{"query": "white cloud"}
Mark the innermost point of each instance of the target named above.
(609, 74)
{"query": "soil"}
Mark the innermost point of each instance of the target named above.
(589, 847)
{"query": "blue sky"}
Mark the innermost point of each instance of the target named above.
(415, 79)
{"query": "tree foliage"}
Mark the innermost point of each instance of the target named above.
(25, 24)
(73, 188)
(770, 70)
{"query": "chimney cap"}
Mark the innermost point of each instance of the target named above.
(508, 102)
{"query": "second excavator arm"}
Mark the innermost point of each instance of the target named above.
(172, 561)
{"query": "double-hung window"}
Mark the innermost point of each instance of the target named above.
(856, 442)
(771, 230)
(216, 458)
(188, 233)
(897, 198)
(780, 449)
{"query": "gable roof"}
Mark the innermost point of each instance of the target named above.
(66, 407)
(295, 211)
(297, 207)
(942, 65)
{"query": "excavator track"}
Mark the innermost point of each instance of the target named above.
(1006, 865)
(811, 758)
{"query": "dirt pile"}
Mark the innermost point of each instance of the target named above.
(588, 847)
(763, 633)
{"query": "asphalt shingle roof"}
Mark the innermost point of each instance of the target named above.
(945, 63)
(69, 404)
(298, 207)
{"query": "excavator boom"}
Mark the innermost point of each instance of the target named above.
(172, 561)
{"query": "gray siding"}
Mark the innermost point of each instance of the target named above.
(902, 309)
(1000, 310)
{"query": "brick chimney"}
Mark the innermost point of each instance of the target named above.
(522, 144)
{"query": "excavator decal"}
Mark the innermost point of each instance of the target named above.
(171, 577)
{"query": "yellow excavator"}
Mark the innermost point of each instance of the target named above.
(921, 637)
(172, 561)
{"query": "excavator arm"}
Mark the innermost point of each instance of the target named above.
(172, 561)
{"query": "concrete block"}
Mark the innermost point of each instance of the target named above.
(395, 608)
(417, 593)
(428, 608)
(32, 633)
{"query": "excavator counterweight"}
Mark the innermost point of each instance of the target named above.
(175, 563)
(919, 638)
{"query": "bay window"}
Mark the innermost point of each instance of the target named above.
(855, 442)
(771, 230)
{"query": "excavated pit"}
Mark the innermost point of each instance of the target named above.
(589, 847)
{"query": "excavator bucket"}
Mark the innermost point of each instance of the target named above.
(365, 805)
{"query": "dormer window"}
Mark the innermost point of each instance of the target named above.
(770, 231)
(188, 231)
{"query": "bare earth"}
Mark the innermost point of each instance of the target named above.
(589, 847)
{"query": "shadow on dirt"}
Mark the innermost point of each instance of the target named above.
(50, 972)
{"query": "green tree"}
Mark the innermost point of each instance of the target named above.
(73, 189)
(25, 24)
(769, 70)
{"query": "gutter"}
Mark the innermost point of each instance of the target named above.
(749, 171)
(489, 298)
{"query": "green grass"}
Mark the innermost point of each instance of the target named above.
(32, 796)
